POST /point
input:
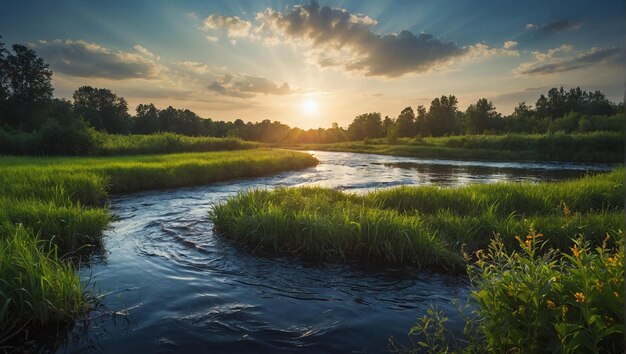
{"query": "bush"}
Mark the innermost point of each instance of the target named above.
(531, 301)
(73, 138)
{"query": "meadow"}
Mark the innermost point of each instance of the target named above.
(53, 210)
(600, 147)
(428, 227)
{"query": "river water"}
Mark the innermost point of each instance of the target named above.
(171, 286)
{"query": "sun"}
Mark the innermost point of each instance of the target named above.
(310, 107)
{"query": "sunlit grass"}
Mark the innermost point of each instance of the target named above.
(52, 207)
(606, 147)
(423, 226)
(111, 144)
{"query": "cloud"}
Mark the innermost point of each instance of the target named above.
(246, 86)
(212, 38)
(554, 60)
(560, 26)
(510, 44)
(555, 27)
(334, 37)
(84, 59)
(233, 25)
(348, 40)
(143, 51)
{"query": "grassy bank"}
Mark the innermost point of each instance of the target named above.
(86, 141)
(163, 143)
(422, 226)
(600, 147)
(50, 208)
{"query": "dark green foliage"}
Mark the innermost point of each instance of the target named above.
(103, 109)
(25, 88)
(405, 123)
(366, 126)
(442, 118)
(481, 116)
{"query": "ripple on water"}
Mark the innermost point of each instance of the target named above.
(184, 290)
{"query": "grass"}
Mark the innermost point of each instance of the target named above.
(51, 208)
(111, 144)
(599, 147)
(36, 287)
(422, 226)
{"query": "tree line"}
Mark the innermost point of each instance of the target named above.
(27, 106)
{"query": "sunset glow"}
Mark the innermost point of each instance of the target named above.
(257, 60)
(310, 107)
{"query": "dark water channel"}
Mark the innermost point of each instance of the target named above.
(174, 287)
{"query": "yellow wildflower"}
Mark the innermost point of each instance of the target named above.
(575, 251)
(612, 260)
(598, 285)
(580, 297)
(550, 304)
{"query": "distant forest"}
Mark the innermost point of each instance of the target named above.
(32, 120)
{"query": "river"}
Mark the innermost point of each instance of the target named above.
(171, 286)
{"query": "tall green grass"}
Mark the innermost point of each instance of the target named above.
(323, 224)
(604, 147)
(111, 144)
(50, 208)
(37, 289)
(428, 227)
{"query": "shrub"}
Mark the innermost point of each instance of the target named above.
(532, 301)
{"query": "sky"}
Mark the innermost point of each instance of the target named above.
(312, 63)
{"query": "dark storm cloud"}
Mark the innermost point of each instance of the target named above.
(83, 59)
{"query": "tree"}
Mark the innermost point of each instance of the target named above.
(388, 125)
(103, 109)
(25, 87)
(481, 116)
(442, 116)
(4, 74)
(420, 121)
(405, 123)
(147, 119)
(366, 126)
(523, 111)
